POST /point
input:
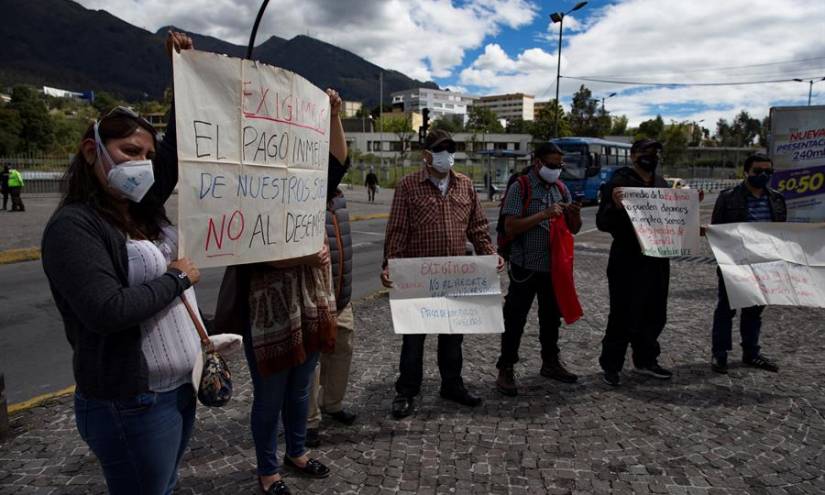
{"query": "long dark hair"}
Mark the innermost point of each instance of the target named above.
(146, 218)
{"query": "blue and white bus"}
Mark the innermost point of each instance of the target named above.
(589, 163)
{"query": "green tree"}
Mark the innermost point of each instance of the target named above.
(675, 139)
(483, 120)
(544, 127)
(741, 132)
(105, 102)
(586, 118)
(10, 128)
(764, 132)
(618, 125)
(37, 131)
(519, 126)
(651, 129)
(449, 123)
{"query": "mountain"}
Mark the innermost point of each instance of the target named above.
(60, 43)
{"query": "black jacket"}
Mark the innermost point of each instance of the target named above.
(615, 220)
(732, 205)
(85, 259)
(339, 237)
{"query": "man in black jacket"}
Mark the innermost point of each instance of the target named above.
(638, 284)
(750, 201)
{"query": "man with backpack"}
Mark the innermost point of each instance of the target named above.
(534, 201)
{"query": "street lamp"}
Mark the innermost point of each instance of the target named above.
(611, 95)
(810, 86)
(559, 17)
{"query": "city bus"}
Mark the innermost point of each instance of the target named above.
(589, 163)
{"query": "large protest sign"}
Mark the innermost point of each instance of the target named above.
(666, 221)
(253, 142)
(797, 148)
(454, 295)
(771, 263)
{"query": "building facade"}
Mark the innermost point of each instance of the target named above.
(441, 103)
(513, 106)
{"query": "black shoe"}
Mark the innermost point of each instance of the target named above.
(506, 382)
(761, 362)
(276, 488)
(655, 371)
(719, 365)
(312, 439)
(402, 406)
(557, 371)
(611, 378)
(462, 396)
(312, 469)
(343, 417)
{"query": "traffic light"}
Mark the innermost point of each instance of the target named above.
(425, 125)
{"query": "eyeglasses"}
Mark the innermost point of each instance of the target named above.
(552, 165)
(448, 146)
(120, 111)
(762, 171)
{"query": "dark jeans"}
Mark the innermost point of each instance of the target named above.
(371, 193)
(411, 367)
(140, 441)
(5, 194)
(638, 287)
(750, 323)
(16, 201)
(285, 393)
(525, 285)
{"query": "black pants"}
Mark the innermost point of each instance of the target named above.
(371, 193)
(450, 361)
(16, 202)
(525, 285)
(638, 288)
(5, 193)
(750, 324)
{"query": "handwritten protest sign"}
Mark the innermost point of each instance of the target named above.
(666, 221)
(771, 263)
(253, 142)
(454, 295)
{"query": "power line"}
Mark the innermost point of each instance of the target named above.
(648, 83)
(719, 68)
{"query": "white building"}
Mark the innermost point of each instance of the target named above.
(439, 102)
(389, 144)
(510, 107)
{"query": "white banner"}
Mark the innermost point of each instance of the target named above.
(771, 263)
(666, 221)
(253, 142)
(452, 295)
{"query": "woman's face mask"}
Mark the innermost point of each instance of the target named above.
(132, 178)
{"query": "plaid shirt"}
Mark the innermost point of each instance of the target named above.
(424, 223)
(531, 249)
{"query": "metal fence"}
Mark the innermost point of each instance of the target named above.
(41, 173)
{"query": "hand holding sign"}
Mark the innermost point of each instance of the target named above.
(666, 221)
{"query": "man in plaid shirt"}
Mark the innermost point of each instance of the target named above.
(434, 212)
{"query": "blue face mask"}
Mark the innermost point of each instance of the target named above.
(758, 181)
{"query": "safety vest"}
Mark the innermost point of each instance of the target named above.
(15, 178)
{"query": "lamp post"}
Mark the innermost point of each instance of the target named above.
(611, 95)
(810, 86)
(559, 17)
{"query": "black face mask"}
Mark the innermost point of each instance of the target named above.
(758, 181)
(648, 163)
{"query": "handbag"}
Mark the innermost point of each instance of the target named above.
(561, 269)
(215, 387)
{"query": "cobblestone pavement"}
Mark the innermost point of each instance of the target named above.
(701, 433)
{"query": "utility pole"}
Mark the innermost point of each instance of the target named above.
(381, 116)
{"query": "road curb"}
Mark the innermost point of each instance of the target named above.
(40, 399)
(372, 216)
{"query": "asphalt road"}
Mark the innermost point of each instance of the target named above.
(34, 353)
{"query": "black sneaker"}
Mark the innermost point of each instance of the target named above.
(655, 371)
(719, 365)
(506, 382)
(612, 378)
(761, 362)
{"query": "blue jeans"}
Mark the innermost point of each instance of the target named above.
(750, 323)
(287, 393)
(139, 441)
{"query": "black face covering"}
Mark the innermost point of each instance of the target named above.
(648, 163)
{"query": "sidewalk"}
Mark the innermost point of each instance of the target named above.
(701, 433)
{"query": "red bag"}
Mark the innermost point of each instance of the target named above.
(561, 270)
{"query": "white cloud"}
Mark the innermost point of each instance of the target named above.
(421, 38)
(674, 42)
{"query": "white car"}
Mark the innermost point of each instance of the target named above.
(676, 183)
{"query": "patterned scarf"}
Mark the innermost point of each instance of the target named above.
(292, 314)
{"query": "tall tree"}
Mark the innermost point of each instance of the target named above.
(651, 129)
(519, 126)
(37, 131)
(545, 124)
(675, 139)
(449, 123)
(586, 118)
(618, 125)
(10, 128)
(765, 131)
(483, 120)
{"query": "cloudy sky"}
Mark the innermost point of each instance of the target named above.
(494, 46)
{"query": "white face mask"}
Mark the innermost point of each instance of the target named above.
(443, 161)
(550, 175)
(132, 178)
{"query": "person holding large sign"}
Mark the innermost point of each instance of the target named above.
(434, 211)
(750, 201)
(532, 205)
(638, 284)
